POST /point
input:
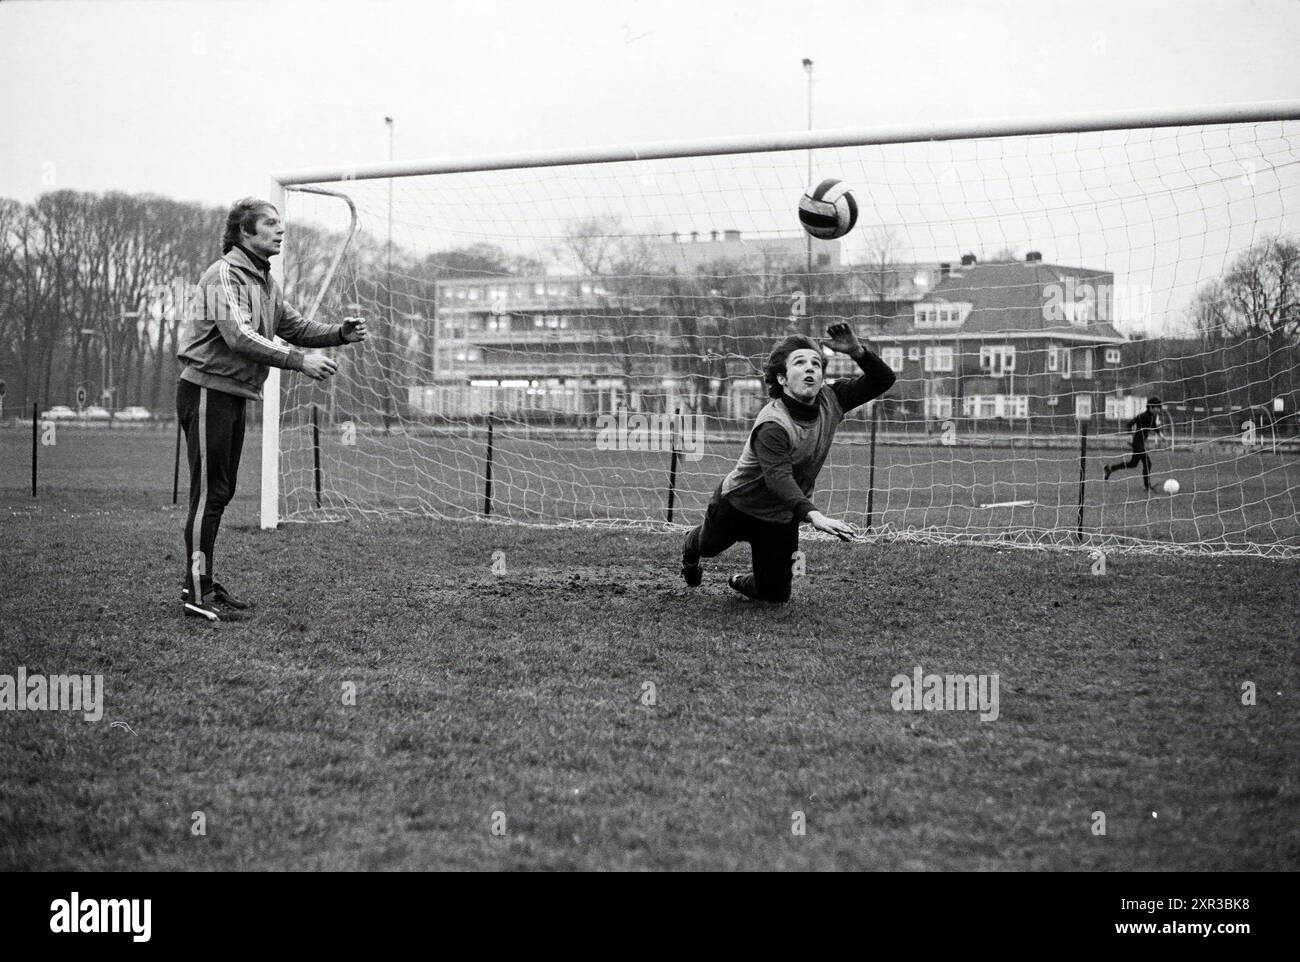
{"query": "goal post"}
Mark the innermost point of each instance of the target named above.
(603, 314)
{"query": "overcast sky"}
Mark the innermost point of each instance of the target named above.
(201, 100)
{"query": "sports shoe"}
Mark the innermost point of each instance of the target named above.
(202, 610)
(220, 596)
(739, 583)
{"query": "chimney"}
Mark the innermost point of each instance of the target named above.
(1034, 257)
(714, 236)
(731, 235)
(695, 236)
(944, 269)
(677, 238)
(967, 260)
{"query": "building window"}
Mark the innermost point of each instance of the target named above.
(940, 314)
(998, 360)
(893, 356)
(1112, 355)
(1123, 407)
(1058, 361)
(914, 353)
(1084, 367)
(938, 406)
(984, 406)
(939, 358)
(823, 260)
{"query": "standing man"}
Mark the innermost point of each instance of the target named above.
(766, 496)
(1142, 425)
(237, 312)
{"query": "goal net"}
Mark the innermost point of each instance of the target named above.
(580, 339)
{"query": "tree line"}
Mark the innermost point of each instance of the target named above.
(92, 290)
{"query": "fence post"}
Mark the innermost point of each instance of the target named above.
(34, 448)
(871, 474)
(1083, 472)
(672, 469)
(487, 482)
(176, 464)
(315, 447)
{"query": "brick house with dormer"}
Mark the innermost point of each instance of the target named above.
(1006, 341)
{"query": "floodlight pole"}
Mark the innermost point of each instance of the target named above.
(808, 69)
(388, 277)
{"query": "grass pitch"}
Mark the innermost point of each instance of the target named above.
(523, 693)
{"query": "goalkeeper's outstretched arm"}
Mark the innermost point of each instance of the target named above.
(876, 378)
(771, 446)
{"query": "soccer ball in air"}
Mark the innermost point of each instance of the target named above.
(1171, 486)
(828, 210)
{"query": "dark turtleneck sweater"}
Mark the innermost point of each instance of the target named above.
(258, 261)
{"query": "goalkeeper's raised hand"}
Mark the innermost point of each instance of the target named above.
(843, 339)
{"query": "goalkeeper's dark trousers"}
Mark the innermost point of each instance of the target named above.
(214, 439)
(1139, 457)
(771, 544)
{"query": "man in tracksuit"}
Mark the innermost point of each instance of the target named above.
(236, 313)
(766, 496)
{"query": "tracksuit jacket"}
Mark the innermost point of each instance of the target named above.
(235, 314)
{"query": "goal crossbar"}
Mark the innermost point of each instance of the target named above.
(809, 140)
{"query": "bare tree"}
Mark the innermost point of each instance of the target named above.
(880, 271)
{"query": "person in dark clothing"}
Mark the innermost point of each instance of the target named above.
(767, 495)
(1142, 426)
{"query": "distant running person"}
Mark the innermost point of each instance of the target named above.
(237, 311)
(1142, 426)
(766, 496)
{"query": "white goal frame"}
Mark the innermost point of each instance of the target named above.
(1236, 113)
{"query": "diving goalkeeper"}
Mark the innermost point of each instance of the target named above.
(766, 496)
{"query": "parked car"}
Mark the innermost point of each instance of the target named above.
(59, 412)
(133, 413)
(96, 413)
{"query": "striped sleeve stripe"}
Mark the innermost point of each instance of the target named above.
(242, 319)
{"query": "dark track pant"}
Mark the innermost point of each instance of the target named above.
(214, 439)
(1139, 457)
(772, 546)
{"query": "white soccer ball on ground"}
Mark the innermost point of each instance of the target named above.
(828, 210)
(1171, 486)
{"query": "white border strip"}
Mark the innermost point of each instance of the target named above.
(804, 140)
